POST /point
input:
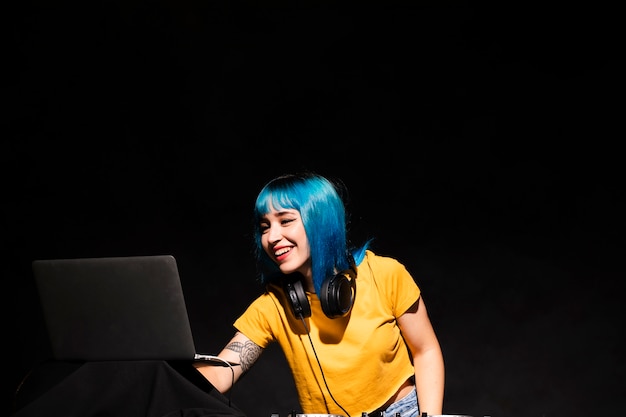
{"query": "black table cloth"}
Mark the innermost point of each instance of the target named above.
(120, 389)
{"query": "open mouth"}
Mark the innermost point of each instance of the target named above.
(281, 253)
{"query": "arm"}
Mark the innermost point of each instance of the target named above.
(239, 350)
(420, 337)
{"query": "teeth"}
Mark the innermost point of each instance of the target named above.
(282, 251)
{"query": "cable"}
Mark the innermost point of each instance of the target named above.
(213, 358)
(320, 365)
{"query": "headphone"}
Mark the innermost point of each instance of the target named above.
(337, 293)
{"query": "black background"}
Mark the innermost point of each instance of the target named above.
(481, 144)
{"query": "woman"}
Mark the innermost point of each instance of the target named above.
(352, 324)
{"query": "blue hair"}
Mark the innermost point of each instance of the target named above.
(323, 214)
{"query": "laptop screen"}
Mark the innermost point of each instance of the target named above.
(116, 308)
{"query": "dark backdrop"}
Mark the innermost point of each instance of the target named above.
(480, 145)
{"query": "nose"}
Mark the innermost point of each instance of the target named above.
(274, 235)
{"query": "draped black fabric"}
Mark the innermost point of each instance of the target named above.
(120, 388)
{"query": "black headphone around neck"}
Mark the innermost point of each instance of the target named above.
(337, 293)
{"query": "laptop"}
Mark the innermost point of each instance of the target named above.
(116, 308)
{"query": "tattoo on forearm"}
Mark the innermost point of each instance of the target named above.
(249, 352)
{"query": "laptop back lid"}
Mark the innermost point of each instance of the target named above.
(116, 308)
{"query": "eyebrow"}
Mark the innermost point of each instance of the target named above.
(282, 213)
(286, 211)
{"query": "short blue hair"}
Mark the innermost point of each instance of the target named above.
(323, 213)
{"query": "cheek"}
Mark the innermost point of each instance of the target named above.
(302, 238)
(265, 243)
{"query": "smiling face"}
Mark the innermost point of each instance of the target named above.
(284, 240)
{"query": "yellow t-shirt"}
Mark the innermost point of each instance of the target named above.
(363, 355)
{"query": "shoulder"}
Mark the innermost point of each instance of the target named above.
(262, 316)
(392, 280)
(381, 261)
(387, 269)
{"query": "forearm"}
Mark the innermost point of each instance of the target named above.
(430, 381)
(220, 377)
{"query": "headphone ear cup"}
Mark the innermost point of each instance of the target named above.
(297, 298)
(338, 295)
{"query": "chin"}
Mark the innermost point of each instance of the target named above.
(286, 270)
